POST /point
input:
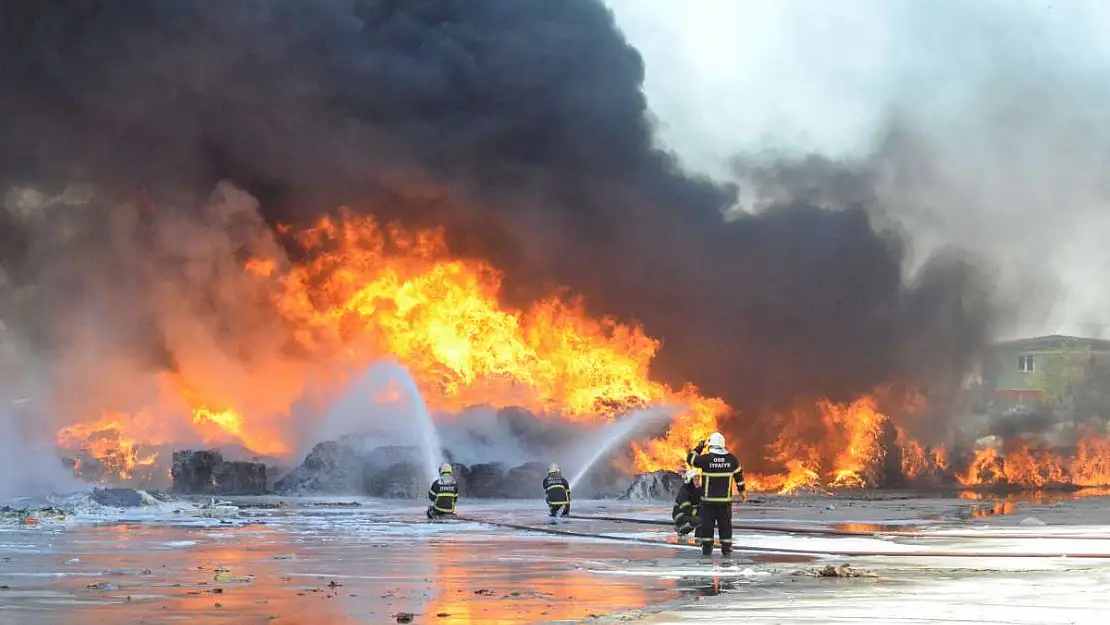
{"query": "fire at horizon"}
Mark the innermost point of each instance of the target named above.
(369, 292)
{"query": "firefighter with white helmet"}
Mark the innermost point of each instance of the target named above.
(556, 490)
(443, 493)
(720, 474)
(687, 503)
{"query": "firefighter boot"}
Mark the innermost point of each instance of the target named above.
(707, 547)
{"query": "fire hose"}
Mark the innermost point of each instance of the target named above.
(782, 550)
(829, 531)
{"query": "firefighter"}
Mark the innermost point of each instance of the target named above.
(686, 503)
(443, 493)
(720, 470)
(556, 490)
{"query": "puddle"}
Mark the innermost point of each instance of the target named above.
(993, 505)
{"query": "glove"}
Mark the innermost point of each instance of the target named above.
(700, 447)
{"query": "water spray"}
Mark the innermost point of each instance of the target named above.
(621, 431)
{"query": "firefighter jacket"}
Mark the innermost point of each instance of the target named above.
(557, 489)
(686, 502)
(719, 471)
(443, 494)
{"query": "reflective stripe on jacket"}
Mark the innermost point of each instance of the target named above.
(719, 474)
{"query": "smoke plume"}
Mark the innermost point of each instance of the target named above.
(519, 125)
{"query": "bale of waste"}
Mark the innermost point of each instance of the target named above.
(485, 481)
(525, 481)
(117, 497)
(240, 478)
(331, 467)
(654, 486)
(402, 480)
(193, 471)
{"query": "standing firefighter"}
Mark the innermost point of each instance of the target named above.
(686, 504)
(443, 493)
(556, 490)
(720, 470)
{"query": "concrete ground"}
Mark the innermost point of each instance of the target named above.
(309, 561)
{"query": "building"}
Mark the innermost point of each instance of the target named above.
(1012, 372)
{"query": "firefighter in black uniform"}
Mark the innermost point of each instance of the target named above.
(719, 471)
(686, 504)
(556, 490)
(443, 493)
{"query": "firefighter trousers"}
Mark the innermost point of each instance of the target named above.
(717, 515)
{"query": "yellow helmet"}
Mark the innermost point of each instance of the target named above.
(446, 469)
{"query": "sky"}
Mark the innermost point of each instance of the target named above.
(1003, 95)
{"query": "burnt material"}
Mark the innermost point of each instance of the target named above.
(193, 471)
(485, 481)
(240, 478)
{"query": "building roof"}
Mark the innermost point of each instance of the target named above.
(1056, 339)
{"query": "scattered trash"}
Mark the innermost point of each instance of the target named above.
(839, 570)
(1032, 522)
(333, 585)
(102, 586)
(73, 561)
(443, 614)
(484, 592)
(5, 587)
(405, 617)
(219, 605)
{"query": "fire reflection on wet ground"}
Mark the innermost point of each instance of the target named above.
(1001, 504)
(295, 572)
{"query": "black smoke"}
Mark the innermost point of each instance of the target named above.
(520, 125)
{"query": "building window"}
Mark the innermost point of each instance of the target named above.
(1026, 364)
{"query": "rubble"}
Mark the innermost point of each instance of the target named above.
(655, 486)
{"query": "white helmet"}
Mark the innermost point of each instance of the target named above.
(446, 469)
(717, 439)
(554, 468)
(690, 475)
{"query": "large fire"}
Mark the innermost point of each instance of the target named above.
(369, 292)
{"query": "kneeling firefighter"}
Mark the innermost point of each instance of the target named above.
(556, 490)
(720, 470)
(443, 493)
(686, 504)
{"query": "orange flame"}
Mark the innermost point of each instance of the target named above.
(369, 293)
